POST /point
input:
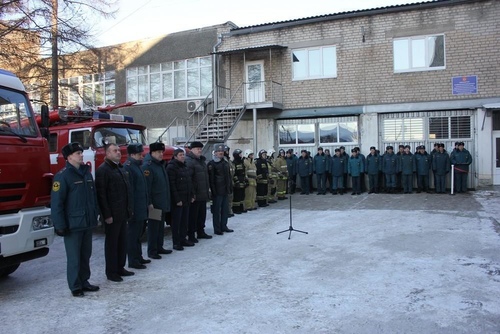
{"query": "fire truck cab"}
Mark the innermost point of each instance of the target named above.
(92, 129)
(26, 230)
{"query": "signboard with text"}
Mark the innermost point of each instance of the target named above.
(464, 85)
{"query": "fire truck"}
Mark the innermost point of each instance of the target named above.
(92, 129)
(26, 230)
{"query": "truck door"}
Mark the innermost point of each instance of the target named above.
(82, 136)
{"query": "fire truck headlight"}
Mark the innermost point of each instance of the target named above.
(42, 222)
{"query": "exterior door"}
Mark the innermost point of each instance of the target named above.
(496, 158)
(255, 86)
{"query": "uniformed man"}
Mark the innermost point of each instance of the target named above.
(156, 176)
(140, 206)
(362, 181)
(441, 167)
(304, 169)
(220, 186)
(344, 154)
(181, 194)
(399, 174)
(372, 169)
(251, 173)
(273, 178)
(195, 161)
(239, 182)
(338, 167)
(390, 166)
(461, 161)
(327, 173)
(320, 166)
(424, 165)
(354, 168)
(280, 166)
(262, 178)
(115, 202)
(407, 167)
(74, 214)
(231, 175)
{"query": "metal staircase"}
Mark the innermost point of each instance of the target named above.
(207, 125)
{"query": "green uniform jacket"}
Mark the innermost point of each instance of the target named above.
(73, 199)
(157, 181)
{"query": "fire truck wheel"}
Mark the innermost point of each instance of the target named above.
(8, 270)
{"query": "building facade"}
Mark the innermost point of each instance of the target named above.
(414, 74)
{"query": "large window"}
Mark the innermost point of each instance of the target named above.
(88, 91)
(119, 136)
(296, 134)
(182, 79)
(314, 63)
(452, 127)
(16, 118)
(403, 129)
(342, 132)
(420, 53)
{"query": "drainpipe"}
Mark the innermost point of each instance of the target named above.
(215, 70)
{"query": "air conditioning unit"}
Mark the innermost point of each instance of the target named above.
(194, 105)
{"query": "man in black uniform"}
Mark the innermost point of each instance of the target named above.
(220, 186)
(156, 176)
(140, 206)
(239, 182)
(195, 162)
(115, 201)
(262, 178)
(74, 213)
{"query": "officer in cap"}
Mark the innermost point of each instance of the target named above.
(461, 161)
(390, 166)
(141, 206)
(423, 163)
(220, 186)
(155, 172)
(73, 191)
(231, 174)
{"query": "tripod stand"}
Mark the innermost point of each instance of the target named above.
(290, 228)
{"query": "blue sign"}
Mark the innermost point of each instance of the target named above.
(464, 85)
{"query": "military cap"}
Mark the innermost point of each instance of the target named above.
(457, 143)
(135, 148)
(71, 148)
(156, 146)
(372, 148)
(401, 146)
(461, 143)
(196, 144)
(337, 150)
(441, 145)
(290, 150)
(408, 146)
(219, 147)
(436, 144)
(303, 151)
(357, 149)
(320, 148)
(389, 147)
(421, 147)
(354, 150)
(342, 147)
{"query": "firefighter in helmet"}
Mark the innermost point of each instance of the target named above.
(251, 174)
(280, 167)
(262, 168)
(273, 178)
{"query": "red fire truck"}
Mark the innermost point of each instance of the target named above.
(26, 230)
(92, 128)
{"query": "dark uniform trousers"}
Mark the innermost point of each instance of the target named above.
(155, 235)
(407, 182)
(180, 218)
(115, 245)
(135, 229)
(220, 212)
(373, 182)
(197, 217)
(78, 246)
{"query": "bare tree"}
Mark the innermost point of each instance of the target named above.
(36, 34)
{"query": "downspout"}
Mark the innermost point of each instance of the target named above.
(215, 70)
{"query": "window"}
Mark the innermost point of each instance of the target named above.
(342, 132)
(296, 134)
(407, 129)
(119, 136)
(88, 91)
(16, 117)
(452, 127)
(82, 137)
(421, 53)
(314, 63)
(189, 78)
(53, 143)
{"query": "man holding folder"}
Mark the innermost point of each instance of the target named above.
(159, 196)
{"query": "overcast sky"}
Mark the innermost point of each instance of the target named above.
(149, 18)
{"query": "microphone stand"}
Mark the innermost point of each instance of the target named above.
(290, 229)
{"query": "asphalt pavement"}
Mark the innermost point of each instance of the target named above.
(378, 263)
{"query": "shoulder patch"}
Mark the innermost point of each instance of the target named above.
(56, 186)
(147, 172)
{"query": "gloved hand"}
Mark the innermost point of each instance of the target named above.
(62, 232)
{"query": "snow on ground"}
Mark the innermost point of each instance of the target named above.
(421, 263)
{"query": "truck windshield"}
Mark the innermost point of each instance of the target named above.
(15, 115)
(119, 136)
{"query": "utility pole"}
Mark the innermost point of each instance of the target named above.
(54, 56)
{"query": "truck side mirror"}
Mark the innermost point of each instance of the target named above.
(45, 116)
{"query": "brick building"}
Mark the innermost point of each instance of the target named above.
(411, 74)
